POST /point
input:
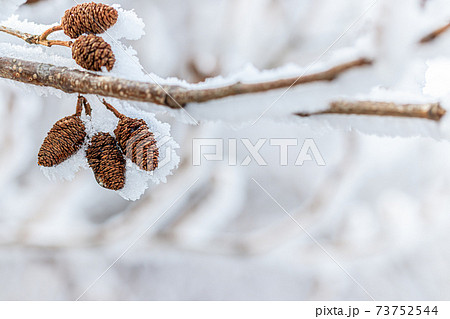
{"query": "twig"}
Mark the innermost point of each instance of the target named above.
(113, 110)
(34, 38)
(83, 82)
(83, 102)
(80, 104)
(188, 96)
(430, 111)
(433, 35)
(46, 33)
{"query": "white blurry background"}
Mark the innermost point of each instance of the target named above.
(380, 207)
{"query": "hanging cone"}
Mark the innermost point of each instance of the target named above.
(88, 18)
(135, 140)
(63, 140)
(106, 161)
(137, 143)
(92, 53)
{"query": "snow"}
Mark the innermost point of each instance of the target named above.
(67, 169)
(437, 78)
(128, 25)
(212, 234)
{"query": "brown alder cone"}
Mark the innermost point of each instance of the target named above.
(137, 143)
(106, 161)
(63, 140)
(92, 53)
(88, 18)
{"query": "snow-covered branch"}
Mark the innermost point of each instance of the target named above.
(76, 81)
(174, 96)
(430, 111)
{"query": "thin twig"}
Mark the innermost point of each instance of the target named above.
(84, 82)
(244, 88)
(430, 111)
(79, 105)
(34, 38)
(436, 33)
(47, 32)
(82, 102)
(113, 109)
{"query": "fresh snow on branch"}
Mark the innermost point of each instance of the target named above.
(403, 71)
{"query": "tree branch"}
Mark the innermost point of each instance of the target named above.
(84, 82)
(430, 111)
(36, 39)
(433, 35)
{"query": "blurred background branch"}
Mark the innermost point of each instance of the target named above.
(434, 34)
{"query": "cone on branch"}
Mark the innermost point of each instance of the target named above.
(136, 141)
(91, 18)
(106, 161)
(64, 139)
(92, 53)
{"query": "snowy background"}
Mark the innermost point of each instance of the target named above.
(377, 214)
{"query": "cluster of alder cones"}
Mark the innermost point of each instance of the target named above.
(105, 153)
(82, 22)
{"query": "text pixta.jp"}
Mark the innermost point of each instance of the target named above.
(243, 151)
